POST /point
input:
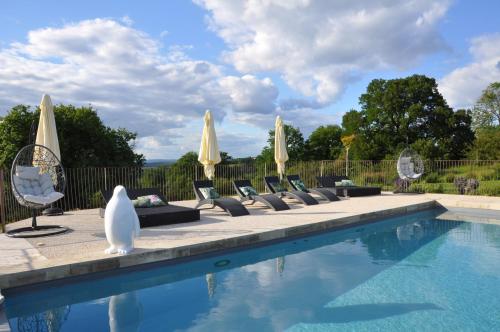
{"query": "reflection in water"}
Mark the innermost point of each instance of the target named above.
(408, 235)
(48, 321)
(211, 284)
(396, 244)
(280, 265)
(125, 313)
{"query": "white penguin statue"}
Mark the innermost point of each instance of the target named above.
(121, 223)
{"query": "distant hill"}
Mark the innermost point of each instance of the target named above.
(159, 162)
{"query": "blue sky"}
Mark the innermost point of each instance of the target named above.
(254, 57)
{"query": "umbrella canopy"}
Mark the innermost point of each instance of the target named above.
(47, 131)
(280, 154)
(209, 154)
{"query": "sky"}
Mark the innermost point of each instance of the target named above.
(154, 67)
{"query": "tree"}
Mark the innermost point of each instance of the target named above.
(294, 141)
(225, 158)
(487, 144)
(486, 112)
(84, 140)
(407, 111)
(188, 159)
(324, 143)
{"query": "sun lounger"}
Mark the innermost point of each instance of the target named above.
(297, 184)
(272, 201)
(158, 215)
(273, 181)
(351, 191)
(232, 206)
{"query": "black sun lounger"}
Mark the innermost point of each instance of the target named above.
(302, 197)
(272, 201)
(228, 204)
(322, 192)
(158, 215)
(351, 191)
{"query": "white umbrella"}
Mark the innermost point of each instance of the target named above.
(209, 154)
(47, 131)
(280, 154)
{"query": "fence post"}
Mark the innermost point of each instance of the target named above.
(2, 201)
(321, 168)
(105, 179)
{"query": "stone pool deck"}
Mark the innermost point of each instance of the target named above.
(81, 251)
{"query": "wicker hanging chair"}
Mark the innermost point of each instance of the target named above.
(410, 165)
(37, 180)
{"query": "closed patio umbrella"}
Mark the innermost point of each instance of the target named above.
(280, 153)
(209, 154)
(47, 131)
(47, 136)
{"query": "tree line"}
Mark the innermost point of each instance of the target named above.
(393, 114)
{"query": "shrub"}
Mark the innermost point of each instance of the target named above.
(432, 178)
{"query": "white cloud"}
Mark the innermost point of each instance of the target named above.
(251, 95)
(124, 73)
(463, 86)
(320, 46)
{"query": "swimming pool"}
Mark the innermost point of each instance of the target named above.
(410, 273)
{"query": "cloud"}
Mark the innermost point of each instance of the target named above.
(251, 95)
(130, 78)
(463, 86)
(320, 46)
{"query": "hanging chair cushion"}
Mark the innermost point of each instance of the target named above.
(406, 168)
(44, 200)
(39, 189)
(29, 173)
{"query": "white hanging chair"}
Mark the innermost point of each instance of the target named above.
(410, 165)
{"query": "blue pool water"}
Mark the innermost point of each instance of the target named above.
(413, 273)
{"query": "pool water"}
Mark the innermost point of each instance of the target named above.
(412, 273)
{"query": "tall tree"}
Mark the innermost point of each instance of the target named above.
(487, 144)
(84, 140)
(324, 143)
(486, 111)
(295, 145)
(407, 111)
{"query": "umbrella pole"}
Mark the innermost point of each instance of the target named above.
(33, 221)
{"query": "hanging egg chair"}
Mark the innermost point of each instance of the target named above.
(410, 165)
(37, 180)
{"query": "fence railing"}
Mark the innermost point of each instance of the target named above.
(84, 184)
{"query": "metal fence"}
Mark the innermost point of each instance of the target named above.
(84, 184)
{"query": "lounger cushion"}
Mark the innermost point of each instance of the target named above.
(278, 187)
(209, 193)
(347, 183)
(299, 185)
(148, 201)
(142, 202)
(249, 191)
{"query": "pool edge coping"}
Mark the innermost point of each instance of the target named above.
(33, 277)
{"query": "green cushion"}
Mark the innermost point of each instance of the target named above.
(209, 193)
(142, 202)
(278, 187)
(249, 191)
(347, 183)
(148, 201)
(299, 185)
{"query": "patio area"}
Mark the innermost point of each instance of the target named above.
(81, 251)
